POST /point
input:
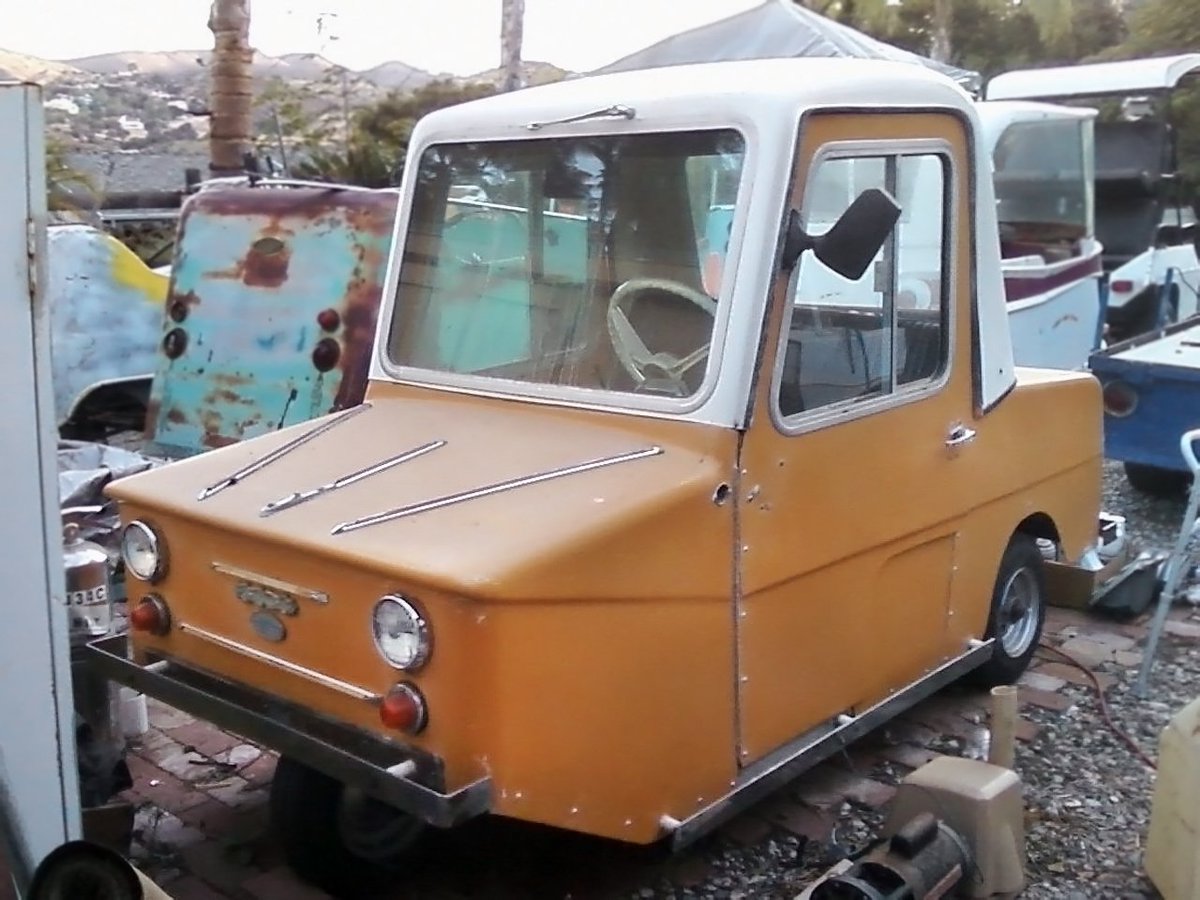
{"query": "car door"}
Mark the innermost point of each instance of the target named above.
(857, 464)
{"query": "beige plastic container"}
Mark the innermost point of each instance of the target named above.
(1173, 846)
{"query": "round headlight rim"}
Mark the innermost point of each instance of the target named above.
(424, 632)
(156, 542)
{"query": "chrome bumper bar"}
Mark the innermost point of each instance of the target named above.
(404, 777)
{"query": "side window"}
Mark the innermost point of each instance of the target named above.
(848, 342)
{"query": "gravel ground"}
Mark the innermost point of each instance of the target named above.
(1087, 795)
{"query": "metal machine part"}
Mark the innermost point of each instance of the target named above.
(99, 739)
(83, 869)
(86, 567)
(923, 860)
(982, 804)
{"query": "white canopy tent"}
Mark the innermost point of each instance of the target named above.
(776, 29)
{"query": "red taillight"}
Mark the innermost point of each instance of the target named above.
(151, 615)
(1121, 286)
(403, 709)
(326, 354)
(1119, 399)
(329, 319)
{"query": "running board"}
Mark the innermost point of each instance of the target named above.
(781, 766)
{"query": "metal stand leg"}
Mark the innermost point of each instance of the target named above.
(1164, 294)
(1177, 562)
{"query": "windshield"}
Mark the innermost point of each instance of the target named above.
(584, 262)
(1043, 180)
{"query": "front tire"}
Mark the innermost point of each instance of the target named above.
(334, 837)
(1018, 612)
(1155, 481)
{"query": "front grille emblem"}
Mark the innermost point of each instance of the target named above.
(267, 627)
(265, 599)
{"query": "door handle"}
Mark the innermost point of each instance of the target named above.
(959, 435)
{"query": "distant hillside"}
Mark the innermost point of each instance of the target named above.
(32, 68)
(396, 75)
(157, 101)
(188, 65)
(532, 73)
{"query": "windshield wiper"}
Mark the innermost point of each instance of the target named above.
(616, 111)
(280, 451)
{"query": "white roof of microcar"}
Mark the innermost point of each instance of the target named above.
(755, 87)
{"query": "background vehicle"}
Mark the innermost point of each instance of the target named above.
(1151, 398)
(106, 307)
(1044, 167)
(1144, 211)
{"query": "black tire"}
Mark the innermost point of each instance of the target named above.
(1155, 481)
(1016, 631)
(310, 812)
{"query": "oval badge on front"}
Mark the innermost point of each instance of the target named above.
(267, 627)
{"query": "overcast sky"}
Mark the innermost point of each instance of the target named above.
(458, 36)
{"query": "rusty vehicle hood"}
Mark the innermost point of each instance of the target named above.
(271, 314)
(106, 309)
(503, 499)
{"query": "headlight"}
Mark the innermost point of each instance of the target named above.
(144, 553)
(401, 633)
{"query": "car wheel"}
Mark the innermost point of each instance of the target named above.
(1017, 614)
(1155, 481)
(335, 837)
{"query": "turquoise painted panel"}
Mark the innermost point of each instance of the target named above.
(271, 313)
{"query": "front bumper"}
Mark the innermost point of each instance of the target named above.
(407, 779)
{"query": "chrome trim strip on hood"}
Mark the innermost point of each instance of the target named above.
(279, 451)
(299, 497)
(451, 499)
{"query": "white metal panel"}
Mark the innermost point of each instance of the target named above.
(1094, 79)
(997, 115)
(37, 749)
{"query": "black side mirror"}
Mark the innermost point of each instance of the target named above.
(855, 238)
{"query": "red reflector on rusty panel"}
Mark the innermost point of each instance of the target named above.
(403, 709)
(326, 354)
(1122, 286)
(329, 319)
(175, 343)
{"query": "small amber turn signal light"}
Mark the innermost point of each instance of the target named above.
(403, 709)
(151, 615)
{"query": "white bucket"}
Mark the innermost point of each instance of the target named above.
(133, 716)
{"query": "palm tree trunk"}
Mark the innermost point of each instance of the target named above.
(942, 12)
(231, 86)
(512, 28)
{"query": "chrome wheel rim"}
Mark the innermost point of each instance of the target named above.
(1020, 609)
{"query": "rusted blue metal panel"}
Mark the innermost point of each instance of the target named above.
(271, 313)
(106, 309)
